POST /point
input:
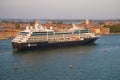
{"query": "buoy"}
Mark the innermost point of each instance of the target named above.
(70, 66)
(15, 67)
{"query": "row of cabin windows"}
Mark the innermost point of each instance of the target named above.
(41, 33)
(24, 33)
(47, 33)
(37, 39)
(81, 31)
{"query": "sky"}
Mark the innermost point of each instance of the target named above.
(59, 9)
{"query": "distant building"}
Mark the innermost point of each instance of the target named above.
(105, 31)
(111, 22)
(49, 22)
(99, 30)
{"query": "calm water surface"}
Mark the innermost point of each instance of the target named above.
(90, 62)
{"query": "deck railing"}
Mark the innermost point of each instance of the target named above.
(55, 38)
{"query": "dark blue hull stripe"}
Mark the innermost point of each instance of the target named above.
(41, 45)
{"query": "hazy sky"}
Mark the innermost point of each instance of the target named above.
(60, 9)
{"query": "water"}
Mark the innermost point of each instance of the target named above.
(91, 62)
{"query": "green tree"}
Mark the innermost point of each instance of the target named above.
(113, 28)
(17, 25)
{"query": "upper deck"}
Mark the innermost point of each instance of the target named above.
(41, 34)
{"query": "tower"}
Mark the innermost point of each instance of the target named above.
(87, 21)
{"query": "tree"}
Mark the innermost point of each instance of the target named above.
(17, 25)
(113, 28)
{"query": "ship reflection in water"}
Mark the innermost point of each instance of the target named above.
(98, 61)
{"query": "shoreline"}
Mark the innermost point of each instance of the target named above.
(114, 33)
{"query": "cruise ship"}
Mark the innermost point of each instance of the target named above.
(39, 37)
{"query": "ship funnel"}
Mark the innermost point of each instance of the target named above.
(38, 26)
